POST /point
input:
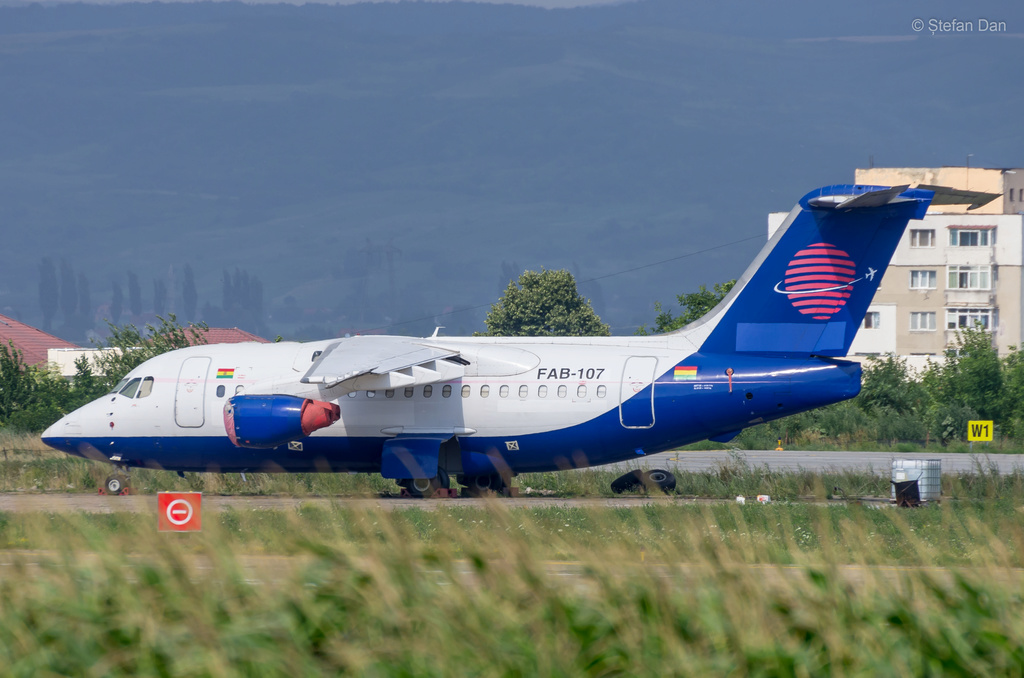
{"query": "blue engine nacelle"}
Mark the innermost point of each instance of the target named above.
(265, 421)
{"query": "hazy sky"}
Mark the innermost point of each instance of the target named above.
(547, 4)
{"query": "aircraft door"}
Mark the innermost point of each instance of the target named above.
(636, 392)
(190, 397)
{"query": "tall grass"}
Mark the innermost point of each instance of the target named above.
(667, 590)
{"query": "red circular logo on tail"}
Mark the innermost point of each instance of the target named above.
(818, 280)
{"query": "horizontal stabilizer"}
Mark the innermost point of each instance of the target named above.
(954, 196)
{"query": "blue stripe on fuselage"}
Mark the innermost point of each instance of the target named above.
(686, 411)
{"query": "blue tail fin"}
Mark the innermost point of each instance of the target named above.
(808, 290)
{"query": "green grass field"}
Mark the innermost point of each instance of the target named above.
(783, 589)
(673, 588)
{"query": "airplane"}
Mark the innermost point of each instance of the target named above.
(480, 410)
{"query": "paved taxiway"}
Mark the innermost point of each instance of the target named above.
(822, 461)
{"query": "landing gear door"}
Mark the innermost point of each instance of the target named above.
(636, 392)
(190, 398)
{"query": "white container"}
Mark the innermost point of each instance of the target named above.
(927, 473)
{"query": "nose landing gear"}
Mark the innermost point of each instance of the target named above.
(117, 483)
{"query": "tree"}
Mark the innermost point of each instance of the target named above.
(133, 347)
(68, 291)
(134, 294)
(544, 304)
(189, 296)
(116, 304)
(159, 296)
(48, 291)
(695, 306)
(85, 300)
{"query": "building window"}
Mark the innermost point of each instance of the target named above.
(1011, 195)
(503, 391)
(446, 391)
(961, 318)
(964, 237)
(922, 237)
(969, 277)
(923, 280)
(871, 320)
(922, 321)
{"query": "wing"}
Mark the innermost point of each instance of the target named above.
(381, 362)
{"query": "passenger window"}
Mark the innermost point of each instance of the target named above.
(601, 391)
(581, 392)
(524, 391)
(562, 391)
(146, 388)
(503, 391)
(371, 394)
(389, 393)
(408, 391)
(446, 392)
(352, 394)
(542, 391)
(220, 391)
(239, 390)
(465, 390)
(130, 388)
(485, 391)
(428, 391)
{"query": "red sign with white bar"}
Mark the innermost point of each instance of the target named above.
(179, 511)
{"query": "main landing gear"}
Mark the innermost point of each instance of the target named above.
(482, 486)
(426, 487)
(655, 479)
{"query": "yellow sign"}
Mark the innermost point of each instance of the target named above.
(980, 431)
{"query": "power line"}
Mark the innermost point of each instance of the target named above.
(580, 282)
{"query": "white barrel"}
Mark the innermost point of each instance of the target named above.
(927, 473)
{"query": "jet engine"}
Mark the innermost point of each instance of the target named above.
(265, 421)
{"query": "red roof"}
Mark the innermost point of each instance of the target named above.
(230, 335)
(32, 342)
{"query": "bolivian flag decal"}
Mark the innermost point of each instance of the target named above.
(229, 373)
(685, 373)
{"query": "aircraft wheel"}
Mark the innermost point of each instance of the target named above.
(660, 479)
(423, 487)
(479, 486)
(115, 484)
(655, 479)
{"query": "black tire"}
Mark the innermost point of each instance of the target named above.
(628, 482)
(115, 484)
(422, 487)
(655, 479)
(481, 486)
(659, 479)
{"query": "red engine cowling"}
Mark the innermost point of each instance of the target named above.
(265, 421)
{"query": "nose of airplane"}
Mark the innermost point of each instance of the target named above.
(59, 435)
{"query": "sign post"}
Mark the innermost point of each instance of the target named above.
(979, 430)
(179, 511)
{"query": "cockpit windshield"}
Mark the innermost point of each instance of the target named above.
(130, 388)
(121, 384)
